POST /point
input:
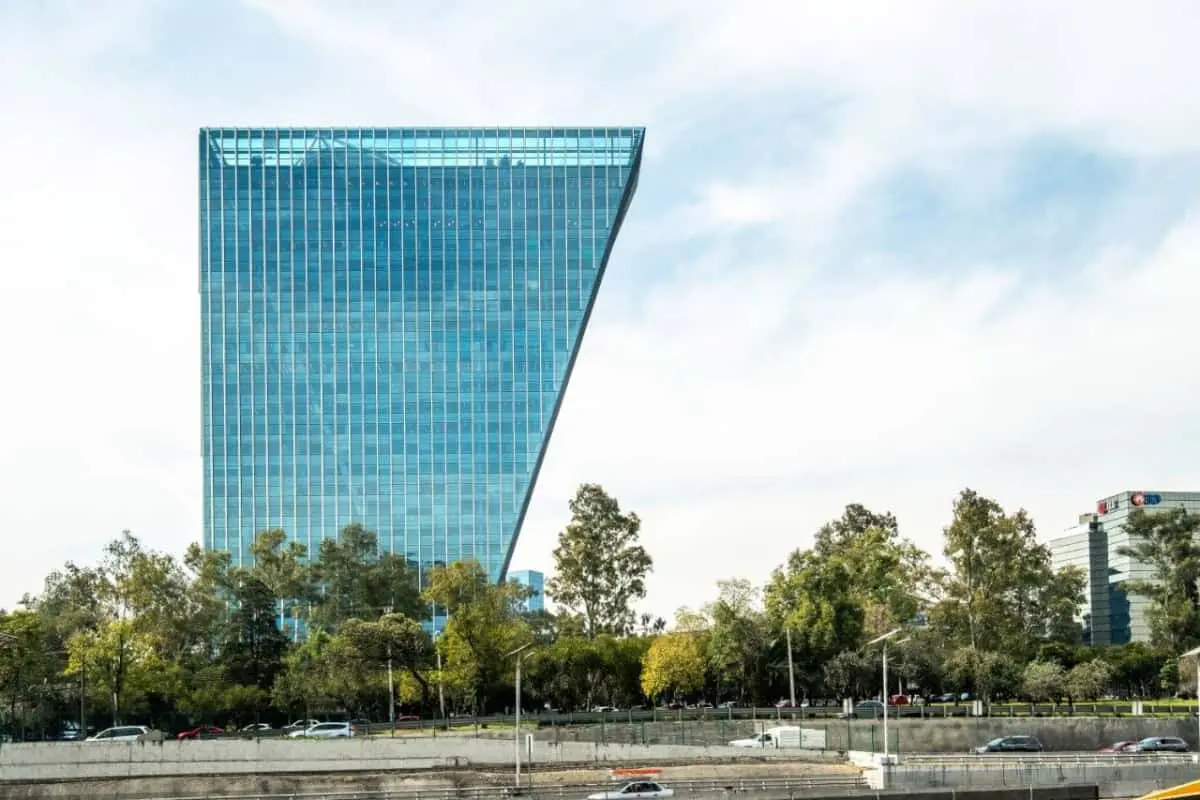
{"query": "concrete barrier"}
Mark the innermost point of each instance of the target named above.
(1114, 781)
(73, 760)
(954, 735)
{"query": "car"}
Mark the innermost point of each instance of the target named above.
(867, 709)
(256, 727)
(637, 789)
(121, 733)
(603, 709)
(302, 724)
(1161, 744)
(1125, 746)
(326, 730)
(1010, 744)
(196, 733)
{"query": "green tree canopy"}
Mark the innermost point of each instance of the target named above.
(1168, 543)
(600, 568)
(1001, 594)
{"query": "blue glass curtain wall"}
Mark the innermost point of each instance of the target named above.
(389, 319)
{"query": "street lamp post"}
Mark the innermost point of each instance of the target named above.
(518, 654)
(884, 639)
(391, 685)
(1195, 654)
(791, 669)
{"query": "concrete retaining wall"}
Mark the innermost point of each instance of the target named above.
(72, 760)
(955, 735)
(1115, 781)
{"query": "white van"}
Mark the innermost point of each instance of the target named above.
(784, 736)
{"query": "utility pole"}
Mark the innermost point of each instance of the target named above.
(518, 653)
(391, 686)
(884, 639)
(791, 669)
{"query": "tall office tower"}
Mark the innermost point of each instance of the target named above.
(389, 320)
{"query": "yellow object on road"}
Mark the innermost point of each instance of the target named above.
(1180, 792)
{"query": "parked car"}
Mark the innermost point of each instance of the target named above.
(1125, 746)
(203, 730)
(1010, 744)
(637, 789)
(326, 730)
(123, 733)
(1161, 744)
(866, 709)
(301, 724)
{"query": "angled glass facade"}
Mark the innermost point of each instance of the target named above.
(389, 321)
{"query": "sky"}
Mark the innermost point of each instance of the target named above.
(876, 256)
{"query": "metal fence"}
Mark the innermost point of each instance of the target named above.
(989, 760)
(830, 735)
(775, 787)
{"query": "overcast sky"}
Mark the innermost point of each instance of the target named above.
(880, 251)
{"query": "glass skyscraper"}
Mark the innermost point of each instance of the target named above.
(389, 318)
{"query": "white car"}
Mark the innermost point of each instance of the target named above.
(301, 724)
(636, 789)
(255, 727)
(325, 730)
(123, 733)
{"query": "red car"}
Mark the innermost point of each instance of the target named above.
(1118, 747)
(195, 733)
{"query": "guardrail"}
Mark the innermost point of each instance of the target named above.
(781, 786)
(1009, 759)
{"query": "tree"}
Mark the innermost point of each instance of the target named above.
(1002, 594)
(989, 675)
(122, 664)
(1168, 542)
(739, 640)
(921, 662)
(394, 640)
(600, 569)
(1137, 669)
(484, 624)
(891, 577)
(25, 663)
(814, 597)
(283, 567)
(306, 680)
(1043, 681)
(1088, 680)
(674, 666)
(851, 673)
(357, 582)
(253, 650)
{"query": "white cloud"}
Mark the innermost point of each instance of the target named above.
(756, 360)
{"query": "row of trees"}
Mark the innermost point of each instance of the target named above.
(144, 635)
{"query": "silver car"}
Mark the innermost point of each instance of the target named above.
(325, 730)
(123, 733)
